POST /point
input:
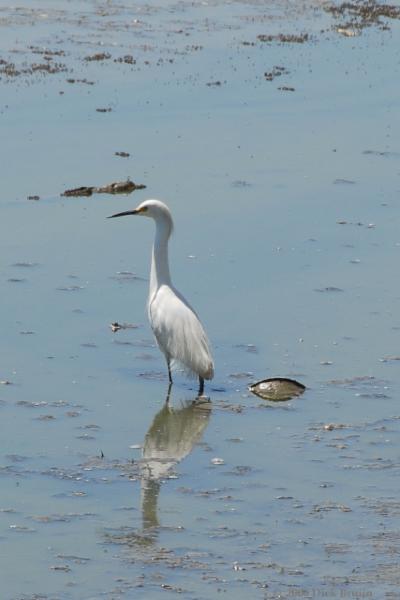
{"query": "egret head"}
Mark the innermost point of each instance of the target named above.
(154, 209)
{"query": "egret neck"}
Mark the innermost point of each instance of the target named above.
(159, 273)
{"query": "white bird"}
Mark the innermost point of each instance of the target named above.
(176, 327)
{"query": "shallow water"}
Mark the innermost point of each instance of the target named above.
(287, 243)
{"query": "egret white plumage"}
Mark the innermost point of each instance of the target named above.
(176, 326)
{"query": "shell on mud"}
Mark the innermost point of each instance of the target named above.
(277, 389)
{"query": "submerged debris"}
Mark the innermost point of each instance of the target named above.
(241, 375)
(84, 190)
(117, 326)
(347, 32)
(86, 81)
(251, 348)
(329, 289)
(341, 181)
(217, 461)
(381, 153)
(11, 70)
(284, 38)
(359, 15)
(25, 264)
(389, 358)
(277, 389)
(277, 71)
(330, 506)
(286, 88)
(332, 426)
(127, 59)
(46, 51)
(118, 187)
(64, 568)
(241, 183)
(98, 56)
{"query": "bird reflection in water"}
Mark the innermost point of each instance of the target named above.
(170, 438)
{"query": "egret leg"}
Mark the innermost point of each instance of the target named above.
(168, 393)
(201, 386)
(169, 372)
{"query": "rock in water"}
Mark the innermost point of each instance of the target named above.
(277, 389)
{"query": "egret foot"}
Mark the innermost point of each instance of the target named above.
(201, 386)
(200, 400)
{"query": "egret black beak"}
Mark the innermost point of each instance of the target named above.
(124, 214)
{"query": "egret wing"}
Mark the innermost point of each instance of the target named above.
(179, 333)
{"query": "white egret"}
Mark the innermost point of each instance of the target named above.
(176, 326)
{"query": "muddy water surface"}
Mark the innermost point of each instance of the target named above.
(272, 132)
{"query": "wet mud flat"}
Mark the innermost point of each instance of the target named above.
(65, 41)
(106, 490)
(156, 526)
